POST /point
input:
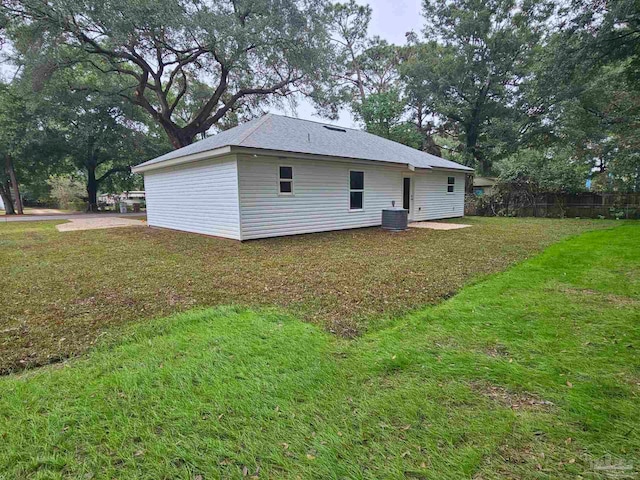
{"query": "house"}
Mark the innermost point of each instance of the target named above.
(484, 185)
(278, 175)
(130, 198)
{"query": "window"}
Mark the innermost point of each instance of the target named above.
(451, 184)
(356, 190)
(285, 180)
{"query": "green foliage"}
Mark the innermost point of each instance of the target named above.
(472, 71)
(99, 136)
(604, 33)
(536, 171)
(383, 115)
(602, 126)
(67, 191)
(187, 64)
(25, 140)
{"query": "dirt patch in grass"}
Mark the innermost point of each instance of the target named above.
(497, 351)
(62, 292)
(619, 301)
(512, 400)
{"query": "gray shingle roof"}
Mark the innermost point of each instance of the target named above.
(287, 134)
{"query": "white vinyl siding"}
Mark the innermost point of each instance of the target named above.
(431, 199)
(321, 200)
(198, 197)
(240, 198)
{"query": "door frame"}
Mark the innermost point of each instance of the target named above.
(412, 188)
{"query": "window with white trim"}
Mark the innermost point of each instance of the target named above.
(356, 190)
(285, 180)
(451, 184)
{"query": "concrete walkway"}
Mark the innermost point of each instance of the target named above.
(65, 216)
(95, 223)
(438, 225)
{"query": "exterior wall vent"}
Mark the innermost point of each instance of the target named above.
(335, 129)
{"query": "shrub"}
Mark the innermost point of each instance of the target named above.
(67, 191)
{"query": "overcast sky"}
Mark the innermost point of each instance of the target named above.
(391, 20)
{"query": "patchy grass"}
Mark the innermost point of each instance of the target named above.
(61, 292)
(514, 377)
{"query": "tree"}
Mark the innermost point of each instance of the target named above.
(602, 124)
(529, 173)
(14, 130)
(99, 135)
(66, 190)
(364, 65)
(349, 25)
(552, 170)
(187, 64)
(383, 115)
(603, 32)
(472, 69)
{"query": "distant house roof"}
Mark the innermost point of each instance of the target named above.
(287, 134)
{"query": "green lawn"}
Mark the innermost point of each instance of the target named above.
(530, 373)
(64, 292)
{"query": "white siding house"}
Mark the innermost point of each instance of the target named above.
(198, 198)
(279, 176)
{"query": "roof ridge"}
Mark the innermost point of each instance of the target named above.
(253, 129)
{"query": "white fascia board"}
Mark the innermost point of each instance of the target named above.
(217, 152)
(456, 170)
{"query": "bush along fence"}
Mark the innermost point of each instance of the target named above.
(586, 205)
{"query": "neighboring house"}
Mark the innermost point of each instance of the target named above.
(279, 175)
(133, 197)
(484, 185)
(1, 204)
(130, 198)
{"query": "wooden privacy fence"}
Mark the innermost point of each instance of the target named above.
(586, 205)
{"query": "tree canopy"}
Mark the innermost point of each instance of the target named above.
(531, 90)
(186, 63)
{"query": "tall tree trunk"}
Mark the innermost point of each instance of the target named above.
(179, 137)
(92, 188)
(5, 193)
(14, 183)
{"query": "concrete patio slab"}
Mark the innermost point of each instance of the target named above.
(438, 225)
(95, 223)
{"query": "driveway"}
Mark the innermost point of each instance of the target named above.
(95, 223)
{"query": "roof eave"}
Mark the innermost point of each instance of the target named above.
(147, 166)
(311, 156)
(217, 152)
(461, 168)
